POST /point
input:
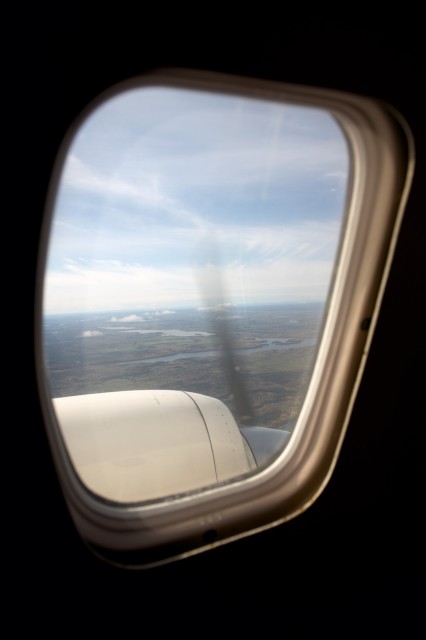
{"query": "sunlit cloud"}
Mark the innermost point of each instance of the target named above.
(132, 318)
(166, 312)
(138, 287)
(217, 307)
(80, 176)
(146, 191)
(175, 199)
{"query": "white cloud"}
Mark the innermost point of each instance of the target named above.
(91, 334)
(132, 318)
(81, 176)
(146, 190)
(147, 174)
(89, 288)
(217, 307)
(166, 312)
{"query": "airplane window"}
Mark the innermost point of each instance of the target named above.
(191, 252)
(213, 258)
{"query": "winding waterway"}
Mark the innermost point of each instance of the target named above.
(270, 345)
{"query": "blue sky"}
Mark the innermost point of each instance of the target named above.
(173, 198)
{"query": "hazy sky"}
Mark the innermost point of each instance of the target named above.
(177, 198)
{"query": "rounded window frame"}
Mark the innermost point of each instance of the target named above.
(146, 534)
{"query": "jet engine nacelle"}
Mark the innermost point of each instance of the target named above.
(133, 446)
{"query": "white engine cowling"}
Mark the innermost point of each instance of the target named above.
(133, 446)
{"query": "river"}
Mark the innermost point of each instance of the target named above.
(270, 345)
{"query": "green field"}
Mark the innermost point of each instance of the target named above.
(92, 354)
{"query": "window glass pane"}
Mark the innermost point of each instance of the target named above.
(192, 248)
